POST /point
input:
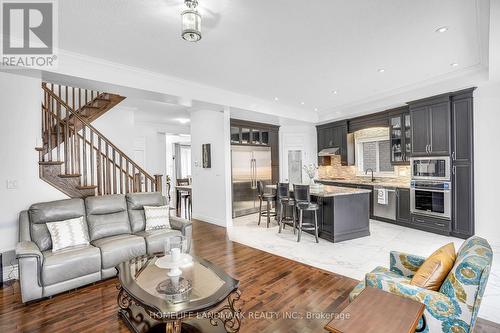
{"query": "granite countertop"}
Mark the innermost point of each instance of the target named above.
(390, 182)
(332, 191)
(329, 191)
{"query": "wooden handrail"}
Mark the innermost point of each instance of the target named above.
(87, 153)
(99, 134)
(63, 122)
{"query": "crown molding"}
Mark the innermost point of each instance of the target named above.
(456, 80)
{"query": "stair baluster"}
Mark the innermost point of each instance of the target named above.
(87, 155)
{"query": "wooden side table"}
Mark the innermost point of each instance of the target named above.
(377, 311)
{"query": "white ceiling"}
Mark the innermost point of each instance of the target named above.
(157, 112)
(298, 51)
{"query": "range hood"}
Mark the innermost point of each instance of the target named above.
(329, 152)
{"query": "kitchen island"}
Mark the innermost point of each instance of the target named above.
(344, 213)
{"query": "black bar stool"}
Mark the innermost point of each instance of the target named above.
(269, 198)
(285, 201)
(303, 203)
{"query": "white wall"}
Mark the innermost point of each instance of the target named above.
(120, 127)
(487, 160)
(211, 187)
(20, 100)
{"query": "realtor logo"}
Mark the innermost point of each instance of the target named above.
(28, 33)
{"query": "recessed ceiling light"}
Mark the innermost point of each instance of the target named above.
(316, 109)
(454, 64)
(380, 70)
(276, 99)
(183, 120)
(302, 103)
(442, 29)
(334, 92)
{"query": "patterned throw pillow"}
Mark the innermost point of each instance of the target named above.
(68, 233)
(156, 217)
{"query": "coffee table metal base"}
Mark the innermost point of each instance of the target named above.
(225, 317)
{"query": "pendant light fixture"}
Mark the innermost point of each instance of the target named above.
(191, 22)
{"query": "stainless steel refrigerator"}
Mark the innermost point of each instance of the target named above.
(249, 165)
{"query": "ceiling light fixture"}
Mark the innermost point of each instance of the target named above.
(183, 120)
(380, 70)
(302, 103)
(335, 92)
(454, 64)
(191, 22)
(276, 99)
(442, 29)
(316, 109)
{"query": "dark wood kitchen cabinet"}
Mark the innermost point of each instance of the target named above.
(333, 135)
(403, 205)
(462, 165)
(430, 127)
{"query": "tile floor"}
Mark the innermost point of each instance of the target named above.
(356, 257)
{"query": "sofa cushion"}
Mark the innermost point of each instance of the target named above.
(107, 216)
(136, 203)
(120, 248)
(53, 211)
(155, 239)
(70, 263)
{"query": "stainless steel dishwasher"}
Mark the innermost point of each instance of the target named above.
(387, 211)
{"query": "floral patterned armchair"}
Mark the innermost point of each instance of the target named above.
(452, 309)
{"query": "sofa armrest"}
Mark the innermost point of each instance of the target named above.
(185, 226)
(30, 261)
(405, 264)
(27, 249)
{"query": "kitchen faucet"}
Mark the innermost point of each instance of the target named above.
(366, 172)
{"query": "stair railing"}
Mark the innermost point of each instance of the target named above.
(86, 152)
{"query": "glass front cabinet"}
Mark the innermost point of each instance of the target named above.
(249, 136)
(400, 132)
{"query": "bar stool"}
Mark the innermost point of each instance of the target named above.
(284, 199)
(268, 197)
(303, 203)
(184, 196)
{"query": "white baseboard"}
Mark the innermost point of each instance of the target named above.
(209, 219)
(10, 273)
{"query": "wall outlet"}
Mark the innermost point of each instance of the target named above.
(12, 184)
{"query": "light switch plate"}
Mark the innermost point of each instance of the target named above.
(12, 184)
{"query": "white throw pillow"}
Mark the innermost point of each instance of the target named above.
(68, 233)
(157, 217)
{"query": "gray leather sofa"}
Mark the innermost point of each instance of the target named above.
(116, 226)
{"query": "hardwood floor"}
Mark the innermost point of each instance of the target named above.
(271, 286)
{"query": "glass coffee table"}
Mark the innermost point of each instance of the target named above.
(204, 298)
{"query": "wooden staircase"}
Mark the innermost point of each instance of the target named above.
(75, 157)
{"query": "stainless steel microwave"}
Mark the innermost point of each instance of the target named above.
(430, 168)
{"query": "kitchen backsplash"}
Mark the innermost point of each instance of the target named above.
(336, 170)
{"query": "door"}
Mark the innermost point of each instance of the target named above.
(397, 140)
(403, 212)
(462, 131)
(420, 121)
(295, 166)
(440, 129)
(262, 165)
(463, 201)
(407, 137)
(243, 185)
